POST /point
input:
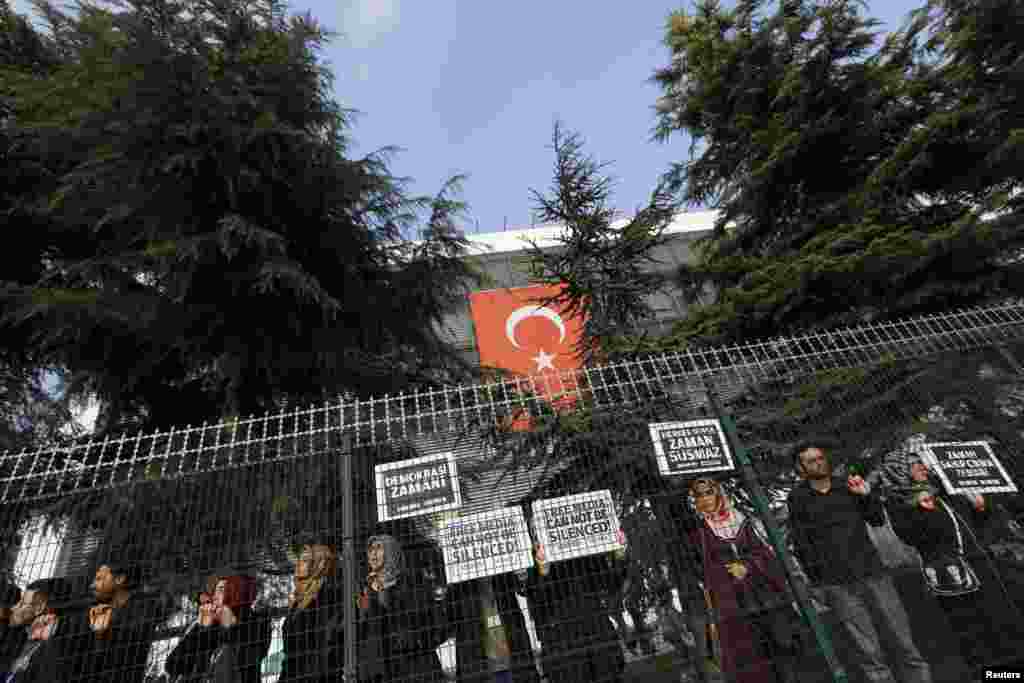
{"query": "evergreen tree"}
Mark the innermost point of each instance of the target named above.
(853, 181)
(606, 267)
(32, 410)
(199, 244)
(207, 246)
(857, 180)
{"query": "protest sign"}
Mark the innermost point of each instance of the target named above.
(486, 544)
(574, 526)
(692, 447)
(418, 486)
(968, 467)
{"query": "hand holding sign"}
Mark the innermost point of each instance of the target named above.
(577, 525)
(968, 467)
(620, 553)
(540, 559)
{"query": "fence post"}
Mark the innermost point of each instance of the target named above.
(757, 496)
(348, 557)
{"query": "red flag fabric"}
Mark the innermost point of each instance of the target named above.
(516, 332)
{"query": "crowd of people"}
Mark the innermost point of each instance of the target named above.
(723, 567)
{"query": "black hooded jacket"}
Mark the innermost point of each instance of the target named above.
(239, 651)
(314, 638)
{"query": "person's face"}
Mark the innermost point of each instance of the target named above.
(304, 566)
(312, 561)
(31, 605)
(218, 593)
(918, 472)
(375, 557)
(814, 464)
(105, 581)
(706, 501)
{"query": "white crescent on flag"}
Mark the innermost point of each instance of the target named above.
(524, 312)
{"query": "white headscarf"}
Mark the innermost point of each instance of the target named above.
(394, 562)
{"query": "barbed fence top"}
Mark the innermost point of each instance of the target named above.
(345, 425)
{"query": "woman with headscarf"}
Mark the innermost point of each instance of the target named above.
(756, 623)
(313, 631)
(955, 566)
(397, 634)
(228, 641)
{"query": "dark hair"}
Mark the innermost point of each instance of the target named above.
(131, 571)
(57, 590)
(10, 594)
(240, 591)
(825, 445)
(331, 537)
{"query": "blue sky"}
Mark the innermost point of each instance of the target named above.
(473, 86)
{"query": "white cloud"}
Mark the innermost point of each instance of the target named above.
(365, 22)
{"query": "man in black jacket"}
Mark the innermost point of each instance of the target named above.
(827, 517)
(492, 642)
(111, 642)
(12, 637)
(34, 643)
(687, 571)
(569, 603)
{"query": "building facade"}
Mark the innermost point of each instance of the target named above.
(504, 257)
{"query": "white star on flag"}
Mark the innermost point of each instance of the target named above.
(543, 360)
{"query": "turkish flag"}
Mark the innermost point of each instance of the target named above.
(516, 332)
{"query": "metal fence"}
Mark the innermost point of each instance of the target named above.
(493, 532)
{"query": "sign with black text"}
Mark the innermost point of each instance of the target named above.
(968, 467)
(574, 526)
(418, 486)
(692, 447)
(485, 544)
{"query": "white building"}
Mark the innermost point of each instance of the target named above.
(504, 257)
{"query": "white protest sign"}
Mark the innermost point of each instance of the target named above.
(968, 467)
(418, 486)
(687, 448)
(578, 525)
(486, 544)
